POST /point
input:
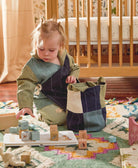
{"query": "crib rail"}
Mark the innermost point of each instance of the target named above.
(94, 66)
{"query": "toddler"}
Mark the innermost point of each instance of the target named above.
(45, 76)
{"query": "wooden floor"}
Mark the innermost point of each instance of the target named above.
(116, 88)
(8, 91)
(120, 88)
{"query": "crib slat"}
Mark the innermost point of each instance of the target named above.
(55, 9)
(131, 34)
(125, 46)
(46, 11)
(91, 8)
(78, 34)
(117, 7)
(51, 7)
(134, 7)
(49, 12)
(57, 6)
(66, 25)
(110, 32)
(83, 13)
(120, 34)
(88, 34)
(117, 14)
(125, 7)
(99, 32)
(74, 8)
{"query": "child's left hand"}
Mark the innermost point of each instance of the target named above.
(71, 79)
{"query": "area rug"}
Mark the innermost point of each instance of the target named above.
(129, 156)
(100, 152)
(95, 145)
(37, 160)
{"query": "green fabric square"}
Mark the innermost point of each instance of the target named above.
(93, 120)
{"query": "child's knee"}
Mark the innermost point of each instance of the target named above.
(52, 114)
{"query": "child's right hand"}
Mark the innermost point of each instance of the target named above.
(23, 112)
(71, 79)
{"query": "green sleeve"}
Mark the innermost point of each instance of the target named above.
(26, 83)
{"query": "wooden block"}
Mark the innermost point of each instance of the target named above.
(1, 144)
(25, 135)
(53, 133)
(7, 114)
(20, 132)
(35, 135)
(112, 139)
(23, 124)
(32, 127)
(53, 128)
(26, 157)
(8, 120)
(83, 134)
(54, 136)
(82, 143)
(14, 130)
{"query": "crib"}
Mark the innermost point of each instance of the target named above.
(85, 32)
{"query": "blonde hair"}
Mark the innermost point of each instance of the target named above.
(47, 28)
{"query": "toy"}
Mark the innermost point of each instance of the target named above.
(26, 131)
(133, 131)
(82, 143)
(10, 159)
(35, 135)
(32, 127)
(25, 156)
(112, 139)
(20, 132)
(8, 120)
(53, 133)
(25, 135)
(14, 130)
(23, 124)
(82, 139)
(83, 134)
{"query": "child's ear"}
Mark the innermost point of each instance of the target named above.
(61, 49)
(62, 45)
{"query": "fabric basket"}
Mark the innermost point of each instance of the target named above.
(86, 106)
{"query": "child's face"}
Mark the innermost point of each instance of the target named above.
(48, 47)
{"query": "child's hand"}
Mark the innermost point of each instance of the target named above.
(71, 79)
(24, 111)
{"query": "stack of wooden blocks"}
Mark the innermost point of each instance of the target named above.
(26, 131)
(82, 139)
